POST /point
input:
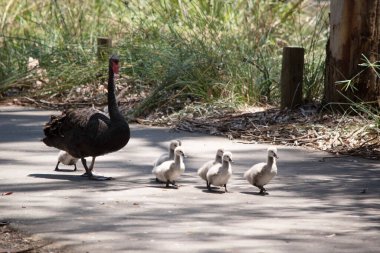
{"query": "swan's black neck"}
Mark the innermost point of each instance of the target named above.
(113, 109)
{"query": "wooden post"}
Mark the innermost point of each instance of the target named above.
(292, 77)
(103, 47)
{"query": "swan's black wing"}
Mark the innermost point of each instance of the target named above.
(75, 131)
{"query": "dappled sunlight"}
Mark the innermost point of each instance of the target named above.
(311, 199)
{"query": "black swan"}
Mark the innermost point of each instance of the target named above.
(88, 131)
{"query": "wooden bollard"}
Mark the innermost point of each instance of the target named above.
(104, 46)
(292, 77)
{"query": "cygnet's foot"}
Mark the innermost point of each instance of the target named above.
(159, 181)
(172, 183)
(4, 222)
(263, 192)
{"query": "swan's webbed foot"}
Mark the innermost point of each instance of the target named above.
(92, 176)
(89, 173)
(100, 178)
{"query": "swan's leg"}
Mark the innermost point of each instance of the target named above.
(56, 167)
(92, 164)
(84, 162)
(75, 167)
(89, 173)
(225, 188)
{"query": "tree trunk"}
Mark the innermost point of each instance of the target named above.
(354, 32)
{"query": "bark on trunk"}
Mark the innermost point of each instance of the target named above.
(354, 32)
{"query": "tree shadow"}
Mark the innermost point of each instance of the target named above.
(309, 201)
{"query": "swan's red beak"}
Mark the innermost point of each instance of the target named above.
(115, 67)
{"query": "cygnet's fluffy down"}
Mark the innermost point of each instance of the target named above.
(66, 159)
(202, 171)
(171, 170)
(219, 174)
(262, 173)
(167, 156)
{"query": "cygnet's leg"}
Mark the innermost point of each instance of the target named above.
(208, 186)
(159, 181)
(225, 188)
(263, 191)
(89, 173)
(56, 167)
(75, 167)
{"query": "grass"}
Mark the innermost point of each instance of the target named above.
(368, 110)
(210, 52)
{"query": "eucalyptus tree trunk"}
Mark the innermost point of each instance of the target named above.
(354, 34)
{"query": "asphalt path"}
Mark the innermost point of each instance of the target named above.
(315, 203)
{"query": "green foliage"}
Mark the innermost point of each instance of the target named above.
(366, 109)
(208, 51)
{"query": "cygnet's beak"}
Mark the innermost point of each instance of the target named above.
(275, 155)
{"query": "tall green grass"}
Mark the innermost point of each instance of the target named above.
(185, 50)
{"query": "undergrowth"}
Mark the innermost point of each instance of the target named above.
(209, 52)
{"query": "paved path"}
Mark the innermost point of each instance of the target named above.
(313, 206)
